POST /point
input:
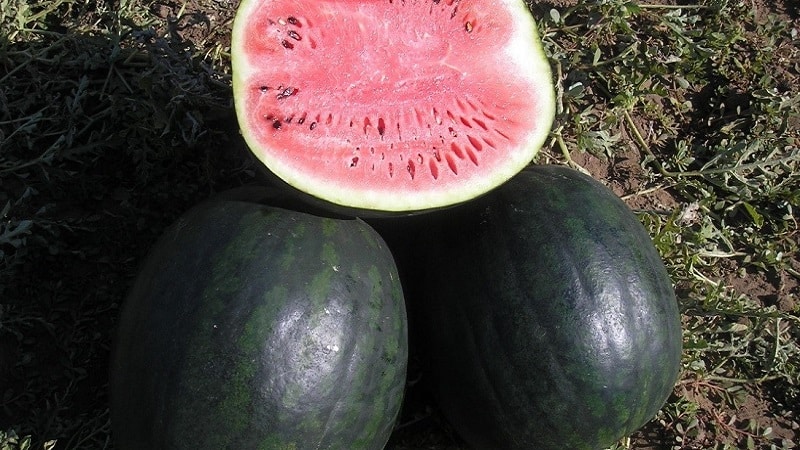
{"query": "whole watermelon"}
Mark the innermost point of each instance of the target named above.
(550, 320)
(253, 327)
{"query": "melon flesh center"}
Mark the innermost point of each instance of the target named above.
(391, 105)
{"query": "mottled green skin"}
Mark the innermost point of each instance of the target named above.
(551, 319)
(251, 327)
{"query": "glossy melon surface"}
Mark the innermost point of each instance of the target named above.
(252, 327)
(551, 321)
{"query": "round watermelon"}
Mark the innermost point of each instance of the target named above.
(397, 105)
(550, 321)
(253, 327)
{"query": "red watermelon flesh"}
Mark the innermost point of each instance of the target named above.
(391, 105)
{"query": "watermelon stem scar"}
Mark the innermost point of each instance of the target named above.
(391, 105)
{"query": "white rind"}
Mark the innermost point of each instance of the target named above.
(527, 54)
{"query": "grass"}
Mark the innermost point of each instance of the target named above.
(114, 119)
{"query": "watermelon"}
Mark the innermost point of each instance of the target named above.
(550, 319)
(398, 105)
(254, 327)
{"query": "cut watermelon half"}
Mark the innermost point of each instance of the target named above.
(391, 105)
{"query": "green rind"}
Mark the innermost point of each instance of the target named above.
(552, 322)
(526, 50)
(254, 327)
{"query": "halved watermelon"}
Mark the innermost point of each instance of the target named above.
(393, 105)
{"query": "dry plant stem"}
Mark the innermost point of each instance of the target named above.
(649, 190)
(564, 151)
(557, 133)
(32, 58)
(674, 7)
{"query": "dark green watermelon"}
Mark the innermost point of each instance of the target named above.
(253, 327)
(550, 319)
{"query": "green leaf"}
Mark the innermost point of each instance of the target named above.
(555, 16)
(758, 219)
